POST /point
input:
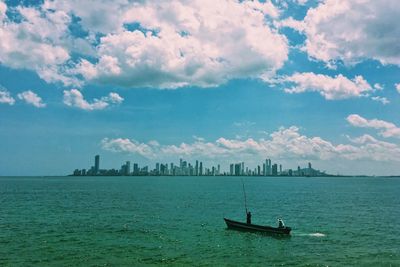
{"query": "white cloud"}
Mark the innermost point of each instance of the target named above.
(352, 30)
(203, 43)
(286, 143)
(367, 147)
(338, 87)
(98, 16)
(40, 40)
(3, 9)
(291, 23)
(129, 146)
(378, 86)
(168, 45)
(383, 100)
(32, 98)
(113, 98)
(5, 97)
(74, 98)
(397, 85)
(301, 2)
(387, 129)
(34, 43)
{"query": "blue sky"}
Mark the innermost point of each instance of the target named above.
(225, 81)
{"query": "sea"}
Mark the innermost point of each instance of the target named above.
(178, 221)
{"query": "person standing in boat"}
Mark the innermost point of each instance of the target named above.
(248, 217)
(280, 223)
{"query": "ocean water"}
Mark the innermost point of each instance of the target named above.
(178, 221)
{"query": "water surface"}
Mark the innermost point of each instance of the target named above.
(135, 221)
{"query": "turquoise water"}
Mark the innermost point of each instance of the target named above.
(175, 221)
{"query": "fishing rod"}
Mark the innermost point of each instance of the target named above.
(244, 193)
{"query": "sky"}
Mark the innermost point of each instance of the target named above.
(224, 81)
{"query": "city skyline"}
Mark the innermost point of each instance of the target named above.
(185, 168)
(215, 80)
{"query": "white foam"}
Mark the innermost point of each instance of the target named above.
(317, 234)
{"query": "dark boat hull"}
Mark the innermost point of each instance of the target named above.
(257, 228)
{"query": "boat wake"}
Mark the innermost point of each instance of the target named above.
(317, 234)
(310, 234)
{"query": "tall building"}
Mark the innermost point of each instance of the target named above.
(128, 168)
(96, 164)
(268, 167)
(238, 170)
(196, 170)
(157, 168)
(275, 169)
(201, 169)
(231, 169)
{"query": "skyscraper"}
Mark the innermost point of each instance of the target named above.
(128, 168)
(96, 164)
(266, 167)
(238, 170)
(275, 169)
(157, 168)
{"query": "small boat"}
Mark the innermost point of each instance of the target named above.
(257, 228)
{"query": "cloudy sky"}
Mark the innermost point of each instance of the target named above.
(220, 81)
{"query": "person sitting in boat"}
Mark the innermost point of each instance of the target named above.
(248, 217)
(280, 223)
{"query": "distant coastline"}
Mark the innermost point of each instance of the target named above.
(266, 169)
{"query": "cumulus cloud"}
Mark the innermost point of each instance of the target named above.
(338, 87)
(285, 143)
(100, 16)
(397, 85)
(74, 98)
(5, 96)
(32, 98)
(188, 43)
(144, 43)
(129, 146)
(3, 9)
(35, 42)
(378, 87)
(387, 129)
(352, 30)
(302, 2)
(367, 147)
(381, 99)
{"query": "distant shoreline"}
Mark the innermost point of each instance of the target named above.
(270, 176)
